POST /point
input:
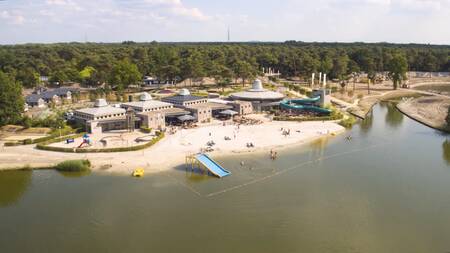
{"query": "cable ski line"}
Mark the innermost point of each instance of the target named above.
(292, 168)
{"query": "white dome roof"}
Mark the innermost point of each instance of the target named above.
(184, 92)
(257, 93)
(145, 97)
(101, 102)
(257, 86)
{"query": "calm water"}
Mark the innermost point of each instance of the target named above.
(386, 190)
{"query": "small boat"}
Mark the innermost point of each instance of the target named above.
(139, 172)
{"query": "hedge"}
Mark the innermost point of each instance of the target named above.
(43, 146)
(12, 144)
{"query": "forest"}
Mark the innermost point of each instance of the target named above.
(122, 64)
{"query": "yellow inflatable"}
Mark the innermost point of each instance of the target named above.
(139, 172)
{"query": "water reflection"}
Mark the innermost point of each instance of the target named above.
(366, 124)
(318, 146)
(446, 151)
(394, 118)
(74, 174)
(13, 184)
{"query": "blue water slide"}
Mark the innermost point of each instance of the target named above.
(305, 101)
(212, 166)
(306, 104)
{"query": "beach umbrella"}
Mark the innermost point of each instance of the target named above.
(229, 112)
(186, 118)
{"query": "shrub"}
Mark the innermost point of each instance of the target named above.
(27, 141)
(12, 144)
(348, 122)
(146, 130)
(27, 122)
(74, 165)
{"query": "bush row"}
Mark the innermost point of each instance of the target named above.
(44, 146)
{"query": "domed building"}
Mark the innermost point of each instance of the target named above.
(259, 97)
(147, 104)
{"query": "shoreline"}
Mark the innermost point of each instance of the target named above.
(426, 111)
(171, 151)
(365, 105)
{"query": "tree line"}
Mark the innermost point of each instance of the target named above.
(122, 64)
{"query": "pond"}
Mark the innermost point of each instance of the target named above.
(385, 189)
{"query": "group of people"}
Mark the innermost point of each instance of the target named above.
(286, 132)
(273, 154)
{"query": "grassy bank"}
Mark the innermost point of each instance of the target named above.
(54, 134)
(65, 166)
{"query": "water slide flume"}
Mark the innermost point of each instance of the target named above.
(307, 104)
(212, 166)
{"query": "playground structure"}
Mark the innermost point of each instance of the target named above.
(305, 105)
(203, 161)
(86, 141)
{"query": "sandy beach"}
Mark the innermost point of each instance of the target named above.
(172, 150)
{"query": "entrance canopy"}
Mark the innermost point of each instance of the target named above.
(228, 112)
(186, 118)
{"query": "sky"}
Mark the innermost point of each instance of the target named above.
(397, 21)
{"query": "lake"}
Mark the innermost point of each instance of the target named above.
(387, 189)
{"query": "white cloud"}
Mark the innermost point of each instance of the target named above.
(182, 20)
(12, 18)
(177, 8)
(65, 4)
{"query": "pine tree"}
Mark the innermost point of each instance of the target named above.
(11, 100)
